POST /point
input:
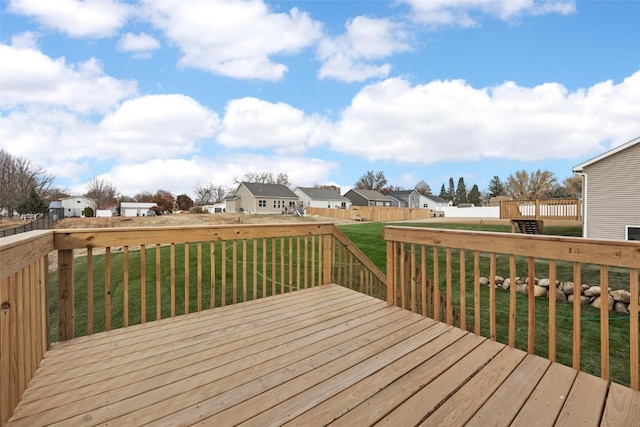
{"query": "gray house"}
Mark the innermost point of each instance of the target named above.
(361, 197)
(255, 198)
(406, 199)
(611, 193)
(321, 198)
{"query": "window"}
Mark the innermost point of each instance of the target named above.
(262, 203)
(633, 232)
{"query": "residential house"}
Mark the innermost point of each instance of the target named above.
(136, 209)
(321, 198)
(611, 193)
(360, 197)
(256, 198)
(407, 199)
(215, 208)
(435, 203)
(75, 206)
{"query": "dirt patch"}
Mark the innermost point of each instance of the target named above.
(191, 219)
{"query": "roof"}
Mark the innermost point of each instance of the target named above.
(401, 192)
(322, 193)
(269, 190)
(436, 199)
(370, 194)
(609, 153)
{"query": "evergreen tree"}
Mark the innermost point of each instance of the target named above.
(474, 196)
(496, 187)
(443, 193)
(32, 204)
(461, 192)
(451, 194)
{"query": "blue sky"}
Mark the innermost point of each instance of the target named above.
(161, 94)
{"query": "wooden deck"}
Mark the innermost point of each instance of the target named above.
(326, 355)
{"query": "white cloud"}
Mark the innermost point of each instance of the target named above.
(30, 77)
(166, 124)
(181, 175)
(348, 57)
(463, 12)
(254, 123)
(141, 43)
(154, 125)
(77, 18)
(233, 38)
(452, 121)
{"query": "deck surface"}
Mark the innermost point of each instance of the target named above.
(326, 355)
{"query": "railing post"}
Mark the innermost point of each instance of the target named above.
(537, 209)
(65, 294)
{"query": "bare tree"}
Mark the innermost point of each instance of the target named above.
(264, 178)
(207, 194)
(372, 181)
(143, 197)
(423, 188)
(524, 186)
(103, 192)
(18, 176)
(573, 185)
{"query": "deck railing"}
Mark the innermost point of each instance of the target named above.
(541, 209)
(109, 278)
(426, 265)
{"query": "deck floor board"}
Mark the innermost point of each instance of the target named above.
(320, 356)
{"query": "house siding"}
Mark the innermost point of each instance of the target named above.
(250, 203)
(613, 194)
(356, 199)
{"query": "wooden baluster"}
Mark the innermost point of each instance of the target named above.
(577, 284)
(552, 310)
(492, 296)
(476, 291)
(463, 291)
(449, 305)
(604, 322)
(532, 306)
(199, 277)
(254, 243)
(512, 301)
(158, 283)
(143, 284)
(89, 291)
(634, 344)
(172, 266)
(223, 272)
(125, 286)
(107, 289)
(212, 267)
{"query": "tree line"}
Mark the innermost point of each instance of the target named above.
(28, 188)
(521, 185)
